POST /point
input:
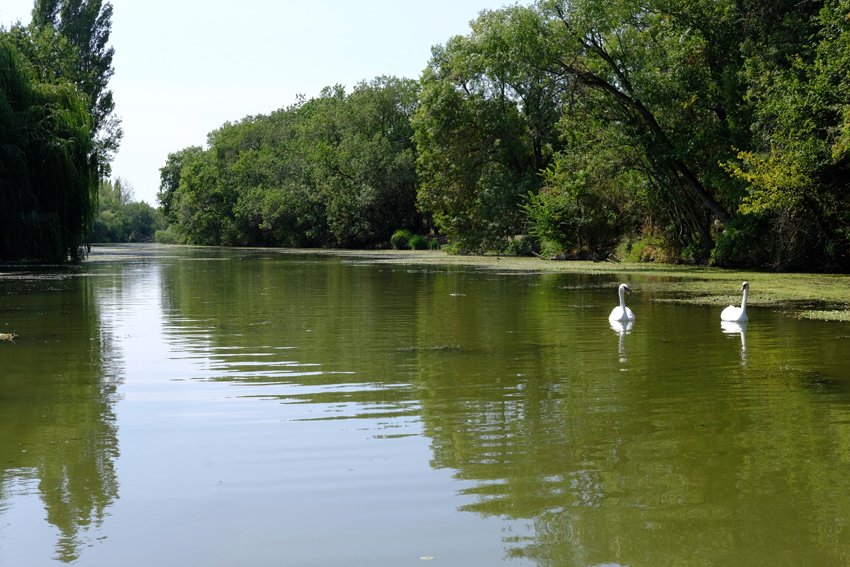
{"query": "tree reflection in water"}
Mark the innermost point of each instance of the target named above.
(57, 421)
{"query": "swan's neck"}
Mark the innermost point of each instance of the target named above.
(623, 299)
(744, 299)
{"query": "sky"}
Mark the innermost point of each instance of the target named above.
(185, 67)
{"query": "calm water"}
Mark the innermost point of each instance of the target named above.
(202, 407)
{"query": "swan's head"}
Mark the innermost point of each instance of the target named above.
(625, 288)
(745, 286)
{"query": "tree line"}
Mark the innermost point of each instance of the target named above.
(706, 131)
(336, 170)
(691, 130)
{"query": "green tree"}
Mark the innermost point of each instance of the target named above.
(86, 25)
(337, 170)
(58, 70)
(485, 128)
(120, 218)
(798, 168)
(169, 178)
(720, 126)
(48, 178)
(679, 78)
(646, 68)
(362, 159)
(204, 203)
(594, 193)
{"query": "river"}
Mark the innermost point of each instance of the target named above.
(190, 406)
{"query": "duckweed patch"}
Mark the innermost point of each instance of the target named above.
(832, 315)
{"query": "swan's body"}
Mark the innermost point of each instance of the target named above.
(621, 312)
(734, 313)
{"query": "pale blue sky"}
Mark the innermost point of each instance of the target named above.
(184, 67)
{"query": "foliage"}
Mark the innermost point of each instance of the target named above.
(400, 239)
(523, 245)
(701, 130)
(798, 168)
(169, 176)
(484, 129)
(48, 176)
(645, 248)
(57, 128)
(337, 170)
(593, 192)
(405, 240)
(169, 235)
(120, 219)
(420, 242)
(651, 77)
(86, 26)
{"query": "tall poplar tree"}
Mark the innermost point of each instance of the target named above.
(86, 25)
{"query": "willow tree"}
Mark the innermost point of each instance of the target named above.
(48, 177)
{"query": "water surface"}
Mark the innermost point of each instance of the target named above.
(171, 406)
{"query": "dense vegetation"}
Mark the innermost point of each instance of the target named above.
(57, 128)
(699, 130)
(337, 170)
(708, 131)
(119, 218)
(696, 130)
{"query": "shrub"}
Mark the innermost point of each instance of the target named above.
(418, 242)
(739, 245)
(522, 245)
(400, 239)
(169, 236)
(648, 247)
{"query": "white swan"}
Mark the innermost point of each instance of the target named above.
(734, 313)
(621, 312)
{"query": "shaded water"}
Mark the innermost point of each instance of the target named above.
(167, 406)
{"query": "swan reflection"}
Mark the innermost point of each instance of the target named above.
(622, 328)
(733, 328)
